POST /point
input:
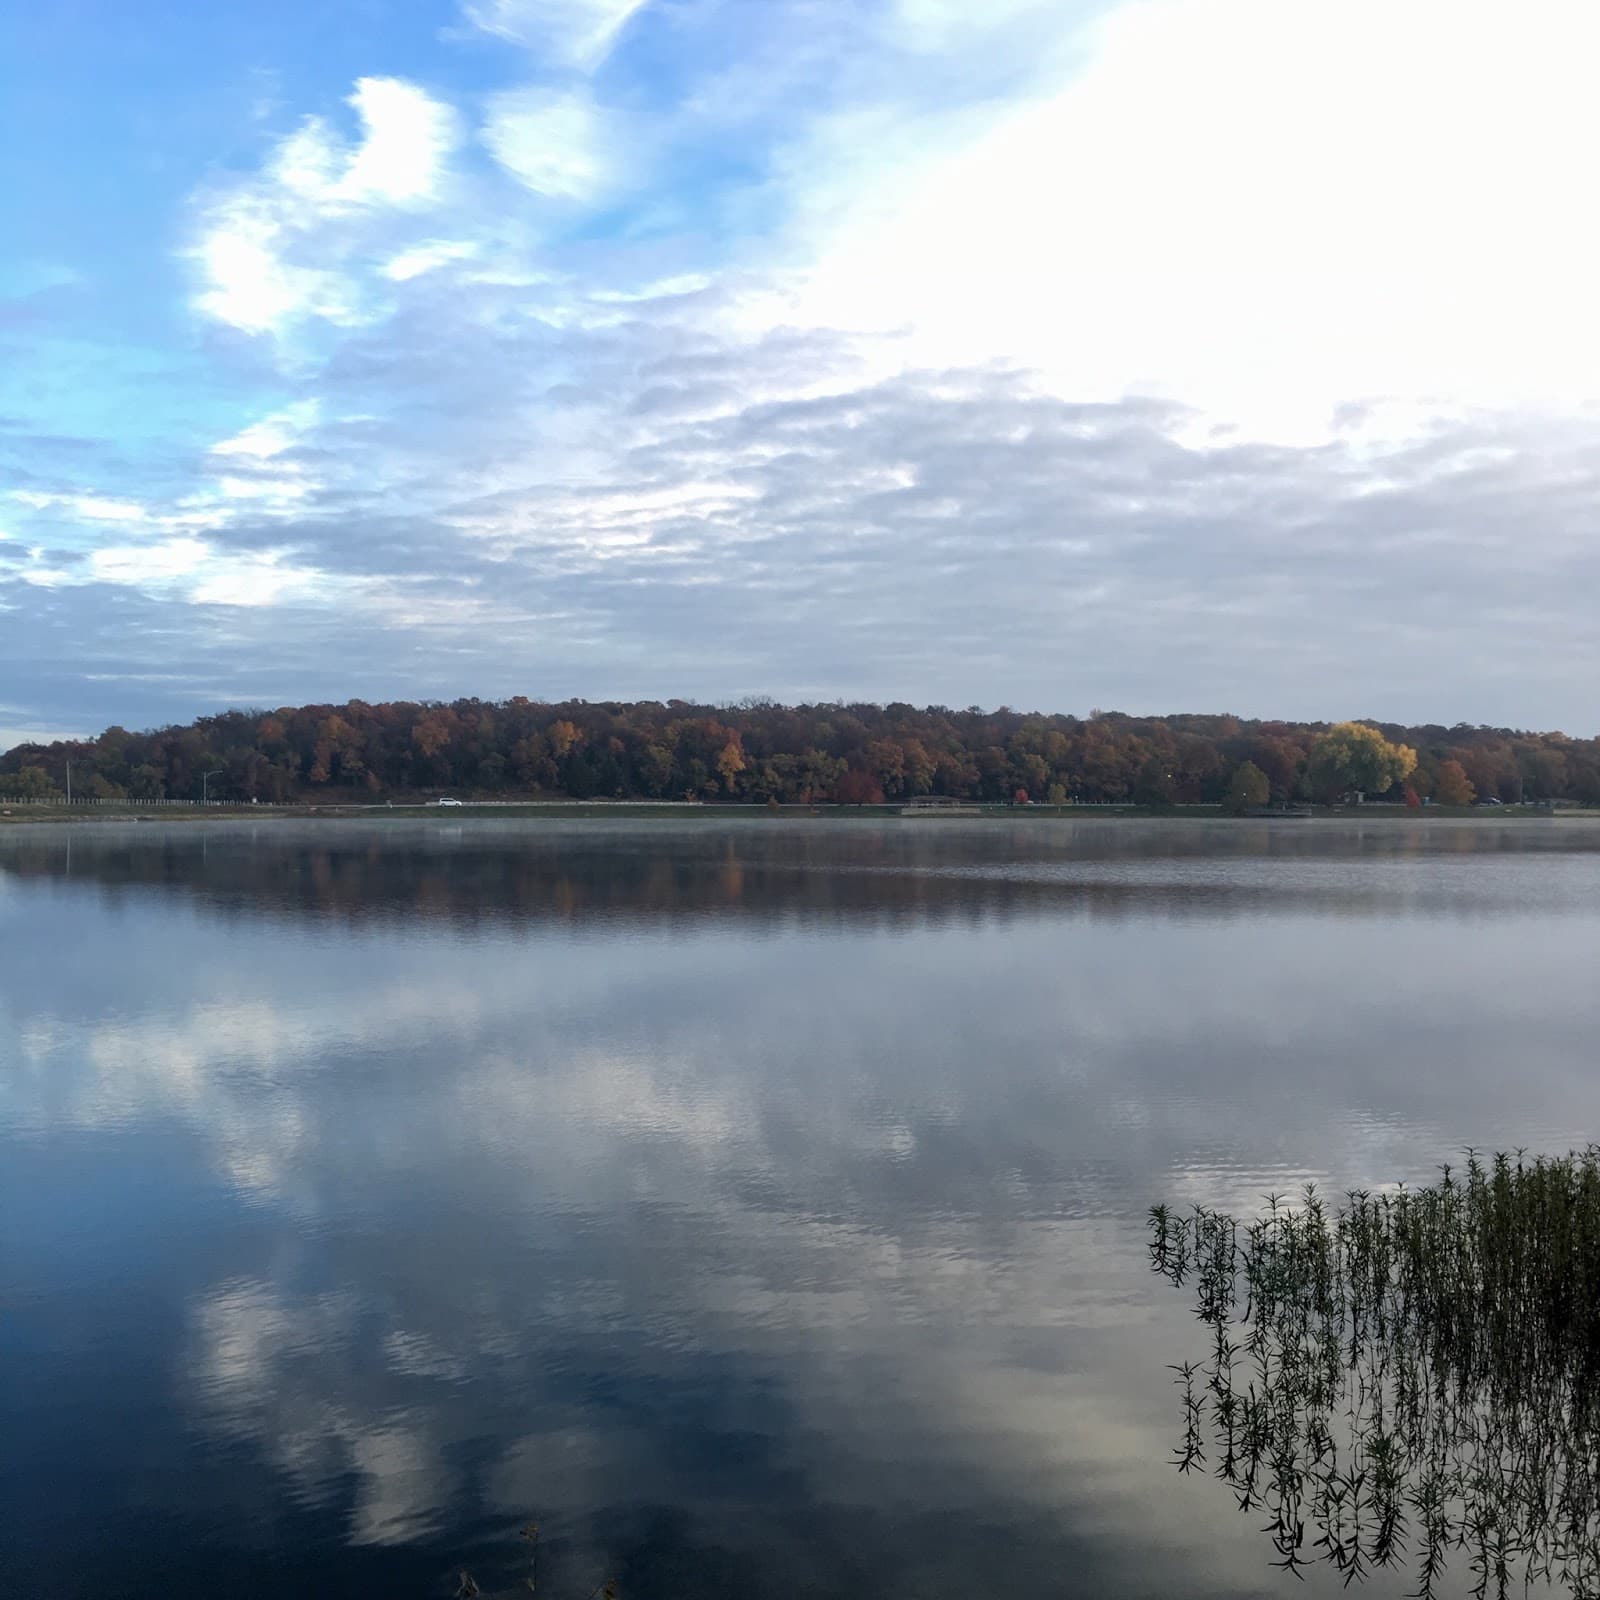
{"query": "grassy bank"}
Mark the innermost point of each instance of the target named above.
(577, 810)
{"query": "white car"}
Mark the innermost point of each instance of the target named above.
(448, 802)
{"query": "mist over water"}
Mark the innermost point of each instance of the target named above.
(760, 1204)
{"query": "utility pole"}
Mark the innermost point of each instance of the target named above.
(69, 782)
(205, 785)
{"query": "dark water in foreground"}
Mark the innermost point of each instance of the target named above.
(759, 1204)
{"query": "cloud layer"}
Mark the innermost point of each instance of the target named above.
(1056, 358)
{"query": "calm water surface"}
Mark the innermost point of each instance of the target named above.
(760, 1204)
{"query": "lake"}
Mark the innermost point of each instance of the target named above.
(759, 1204)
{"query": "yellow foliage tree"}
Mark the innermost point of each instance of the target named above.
(1353, 755)
(730, 764)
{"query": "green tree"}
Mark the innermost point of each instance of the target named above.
(1248, 788)
(1155, 785)
(147, 783)
(1354, 756)
(29, 783)
(1544, 775)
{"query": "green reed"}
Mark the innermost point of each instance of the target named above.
(1409, 1377)
(468, 1588)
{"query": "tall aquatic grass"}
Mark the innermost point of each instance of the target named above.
(1411, 1377)
(468, 1587)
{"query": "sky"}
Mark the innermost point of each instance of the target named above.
(1210, 355)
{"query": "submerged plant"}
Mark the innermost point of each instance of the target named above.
(528, 1533)
(1412, 1377)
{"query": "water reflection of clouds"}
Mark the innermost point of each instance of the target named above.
(955, 1061)
(253, 1353)
(841, 1222)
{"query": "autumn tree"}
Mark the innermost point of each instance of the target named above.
(1453, 787)
(654, 767)
(858, 787)
(818, 772)
(730, 763)
(1355, 756)
(1248, 789)
(1198, 764)
(758, 750)
(886, 760)
(1424, 775)
(563, 736)
(1280, 760)
(918, 767)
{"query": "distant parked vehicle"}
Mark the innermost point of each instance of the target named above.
(1491, 800)
(449, 802)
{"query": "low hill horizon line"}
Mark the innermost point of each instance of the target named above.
(759, 749)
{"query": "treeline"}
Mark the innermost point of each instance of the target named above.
(759, 751)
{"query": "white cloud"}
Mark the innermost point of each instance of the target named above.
(267, 489)
(559, 145)
(262, 581)
(251, 285)
(579, 33)
(273, 434)
(144, 563)
(950, 24)
(100, 510)
(427, 257)
(39, 575)
(193, 569)
(90, 507)
(280, 249)
(407, 137)
(262, 478)
(406, 140)
(1266, 207)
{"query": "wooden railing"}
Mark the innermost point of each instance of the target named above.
(96, 800)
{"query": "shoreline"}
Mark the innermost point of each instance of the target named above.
(645, 810)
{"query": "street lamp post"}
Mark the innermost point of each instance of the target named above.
(205, 785)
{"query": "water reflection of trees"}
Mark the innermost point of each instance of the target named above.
(481, 875)
(1409, 1378)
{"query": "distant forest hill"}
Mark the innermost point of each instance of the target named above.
(758, 751)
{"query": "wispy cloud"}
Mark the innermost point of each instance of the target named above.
(558, 145)
(579, 33)
(427, 257)
(292, 243)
